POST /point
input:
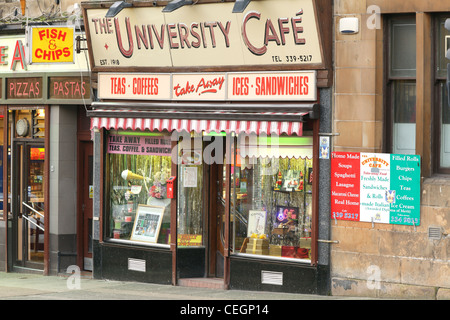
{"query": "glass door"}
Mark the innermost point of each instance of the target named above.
(192, 190)
(201, 207)
(28, 211)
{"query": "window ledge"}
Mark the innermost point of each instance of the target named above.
(437, 179)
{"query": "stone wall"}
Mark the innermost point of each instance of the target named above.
(36, 8)
(358, 104)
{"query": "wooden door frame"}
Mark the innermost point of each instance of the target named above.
(9, 141)
(21, 171)
(210, 194)
(229, 141)
(213, 175)
(213, 243)
(6, 166)
(82, 138)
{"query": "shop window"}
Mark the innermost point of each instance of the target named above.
(403, 48)
(443, 108)
(401, 106)
(30, 124)
(404, 103)
(137, 168)
(272, 197)
(444, 128)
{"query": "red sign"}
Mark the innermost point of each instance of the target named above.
(345, 186)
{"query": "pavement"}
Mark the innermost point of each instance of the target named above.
(65, 295)
(24, 286)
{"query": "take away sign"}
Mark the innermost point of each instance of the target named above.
(54, 44)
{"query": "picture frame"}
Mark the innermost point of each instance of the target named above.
(286, 216)
(147, 223)
(291, 181)
(256, 222)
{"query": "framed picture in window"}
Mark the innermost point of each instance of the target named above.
(147, 223)
(256, 222)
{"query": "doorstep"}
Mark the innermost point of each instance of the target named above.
(210, 283)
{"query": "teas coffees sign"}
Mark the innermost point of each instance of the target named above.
(370, 187)
(282, 32)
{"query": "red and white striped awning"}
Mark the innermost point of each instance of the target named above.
(241, 126)
(224, 118)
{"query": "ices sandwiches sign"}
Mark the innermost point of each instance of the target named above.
(369, 187)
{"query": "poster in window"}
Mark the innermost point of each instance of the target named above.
(289, 181)
(147, 223)
(256, 222)
(286, 217)
(190, 177)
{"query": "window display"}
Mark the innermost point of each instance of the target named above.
(272, 206)
(138, 167)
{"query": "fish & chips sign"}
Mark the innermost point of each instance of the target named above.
(52, 44)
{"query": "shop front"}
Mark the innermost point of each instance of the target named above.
(207, 144)
(40, 104)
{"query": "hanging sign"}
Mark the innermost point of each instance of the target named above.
(370, 187)
(52, 44)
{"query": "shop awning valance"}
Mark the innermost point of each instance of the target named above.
(202, 117)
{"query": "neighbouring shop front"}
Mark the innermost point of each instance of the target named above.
(43, 120)
(206, 143)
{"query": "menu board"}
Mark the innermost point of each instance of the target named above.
(378, 187)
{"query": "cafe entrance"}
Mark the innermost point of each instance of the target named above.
(202, 226)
